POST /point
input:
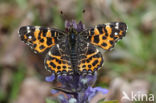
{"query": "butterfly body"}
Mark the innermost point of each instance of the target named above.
(71, 41)
(73, 51)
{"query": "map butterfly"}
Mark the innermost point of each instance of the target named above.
(73, 50)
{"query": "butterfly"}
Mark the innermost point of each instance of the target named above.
(73, 51)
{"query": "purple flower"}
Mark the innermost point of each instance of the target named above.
(50, 78)
(91, 92)
(78, 88)
(72, 24)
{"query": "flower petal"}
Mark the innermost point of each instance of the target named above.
(91, 92)
(102, 90)
(72, 100)
(50, 78)
(62, 98)
(53, 91)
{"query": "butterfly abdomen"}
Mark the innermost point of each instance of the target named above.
(73, 58)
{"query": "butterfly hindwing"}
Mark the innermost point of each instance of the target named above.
(39, 38)
(89, 59)
(58, 59)
(105, 35)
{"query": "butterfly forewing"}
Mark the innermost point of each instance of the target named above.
(105, 35)
(39, 38)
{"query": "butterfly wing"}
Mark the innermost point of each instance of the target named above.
(105, 35)
(89, 58)
(58, 59)
(39, 38)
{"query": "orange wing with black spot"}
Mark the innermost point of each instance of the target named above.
(89, 58)
(105, 35)
(39, 38)
(58, 59)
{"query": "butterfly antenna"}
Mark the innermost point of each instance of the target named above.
(83, 12)
(62, 15)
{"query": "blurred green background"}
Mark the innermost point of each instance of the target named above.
(130, 66)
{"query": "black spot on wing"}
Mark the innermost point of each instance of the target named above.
(106, 33)
(57, 60)
(64, 67)
(41, 40)
(44, 30)
(100, 29)
(92, 31)
(49, 41)
(104, 44)
(53, 33)
(95, 62)
(39, 35)
(83, 66)
(96, 39)
(58, 67)
(111, 42)
(52, 64)
(34, 45)
(42, 47)
(89, 66)
(104, 37)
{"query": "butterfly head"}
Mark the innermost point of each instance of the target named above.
(73, 27)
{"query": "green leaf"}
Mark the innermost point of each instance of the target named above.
(16, 82)
(51, 101)
(22, 3)
(113, 101)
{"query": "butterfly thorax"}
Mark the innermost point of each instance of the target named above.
(72, 40)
